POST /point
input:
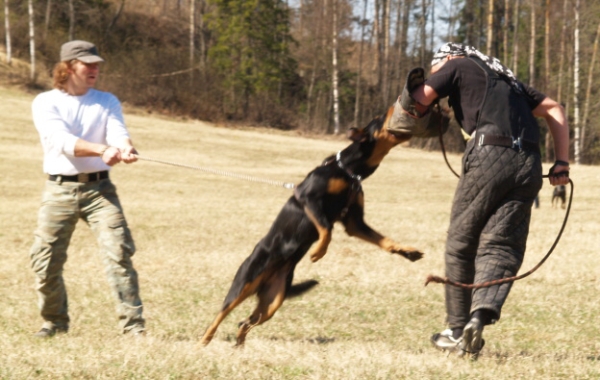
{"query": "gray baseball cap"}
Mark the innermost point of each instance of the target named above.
(81, 50)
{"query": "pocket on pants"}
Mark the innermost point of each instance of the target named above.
(121, 237)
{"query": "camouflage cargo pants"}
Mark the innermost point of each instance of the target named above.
(489, 225)
(63, 204)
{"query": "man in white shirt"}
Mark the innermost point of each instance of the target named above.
(83, 135)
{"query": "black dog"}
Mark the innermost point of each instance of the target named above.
(559, 194)
(331, 192)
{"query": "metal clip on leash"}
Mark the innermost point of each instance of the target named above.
(285, 185)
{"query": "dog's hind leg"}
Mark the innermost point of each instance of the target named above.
(233, 299)
(270, 297)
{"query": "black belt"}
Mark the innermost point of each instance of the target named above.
(81, 177)
(518, 144)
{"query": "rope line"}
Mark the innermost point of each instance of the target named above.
(285, 185)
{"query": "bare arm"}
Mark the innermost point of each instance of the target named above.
(110, 155)
(554, 115)
(424, 95)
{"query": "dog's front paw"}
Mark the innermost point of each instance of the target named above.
(410, 253)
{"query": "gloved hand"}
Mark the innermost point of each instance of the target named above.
(559, 173)
(409, 117)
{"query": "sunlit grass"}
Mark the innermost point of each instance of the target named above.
(370, 317)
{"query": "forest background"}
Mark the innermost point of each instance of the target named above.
(318, 66)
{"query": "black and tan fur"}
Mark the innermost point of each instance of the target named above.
(559, 195)
(331, 192)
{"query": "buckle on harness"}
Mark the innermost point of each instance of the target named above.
(517, 143)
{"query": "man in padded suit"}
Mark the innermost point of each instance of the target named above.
(501, 176)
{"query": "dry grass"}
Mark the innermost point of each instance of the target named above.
(370, 317)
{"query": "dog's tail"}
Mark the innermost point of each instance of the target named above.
(300, 288)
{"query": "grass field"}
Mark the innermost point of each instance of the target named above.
(370, 317)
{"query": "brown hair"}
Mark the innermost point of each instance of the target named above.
(60, 74)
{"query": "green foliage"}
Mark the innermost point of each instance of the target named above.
(251, 47)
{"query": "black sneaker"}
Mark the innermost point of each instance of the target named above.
(445, 341)
(46, 332)
(471, 341)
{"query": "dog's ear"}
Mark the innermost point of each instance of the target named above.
(357, 135)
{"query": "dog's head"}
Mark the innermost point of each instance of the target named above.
(377, 130)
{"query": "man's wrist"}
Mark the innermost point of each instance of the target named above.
(104, 150)
(561, 163)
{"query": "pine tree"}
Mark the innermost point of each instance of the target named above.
(251, 50)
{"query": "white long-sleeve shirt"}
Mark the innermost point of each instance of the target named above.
(61, 119)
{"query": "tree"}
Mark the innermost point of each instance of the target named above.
(115, 17)
(251, 51)
(335, 79)
(532, 38)
(71, 21)
(362, 23)
(588, 91)
(47, 18)
(490, 28)
(505, 31)
(515, 61)
(31, 40)
(576, 120)
(7, 29)
(192, 35)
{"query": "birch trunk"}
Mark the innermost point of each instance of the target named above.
(192, 42)
(576, 120)
(588, 92)
(423, 32)
(386, 51)
(378, 29)
(505, 32)
(71, 21)
(547, 140)
(360, 62)
(490, 28)
(547, 48)
(515, 57)
(7, 28)
(404, 31)
(532, 45)
(561, 65)
(31, 41)
(336, 100)
(449, 37)
(47, 18)
(202, 37)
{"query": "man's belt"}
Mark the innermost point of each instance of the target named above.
(518, 143)
(81, 177)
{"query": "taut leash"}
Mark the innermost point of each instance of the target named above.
(286, 185)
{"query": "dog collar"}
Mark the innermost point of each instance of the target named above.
(338, 159)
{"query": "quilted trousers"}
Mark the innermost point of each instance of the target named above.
(489, 225)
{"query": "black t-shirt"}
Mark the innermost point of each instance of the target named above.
(464, 82)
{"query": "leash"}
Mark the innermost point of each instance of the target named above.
(285, 185)
(487, 284)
